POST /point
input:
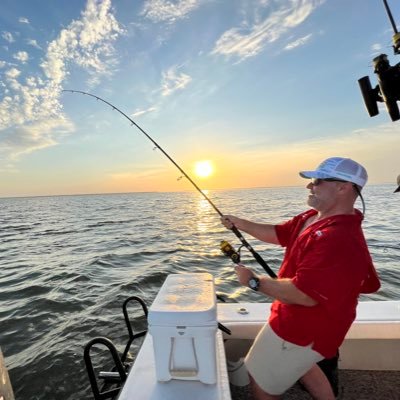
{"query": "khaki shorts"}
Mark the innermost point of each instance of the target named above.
(275, 364)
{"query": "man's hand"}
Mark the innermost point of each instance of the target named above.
(281, 289)
(229, 221)
(244, 274)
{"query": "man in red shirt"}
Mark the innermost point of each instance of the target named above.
(326, 266)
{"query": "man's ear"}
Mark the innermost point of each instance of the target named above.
(346, 187)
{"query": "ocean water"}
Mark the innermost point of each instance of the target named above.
(69, 262)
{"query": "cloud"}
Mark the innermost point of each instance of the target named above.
(23, 20)
(250, 39)
(21, 56)
(86, 42)
(12, 73)
(298, 42)
(2, 64)
(31, 115)
(8, 36)
(139, 113)
(164, 10)
(376, 48)
(33, 43)
(34, 136)
(173, 81)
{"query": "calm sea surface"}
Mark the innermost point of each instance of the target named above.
(69, 262)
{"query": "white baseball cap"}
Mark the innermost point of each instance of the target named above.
(340, 168)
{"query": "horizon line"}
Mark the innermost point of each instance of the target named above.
(157, 191)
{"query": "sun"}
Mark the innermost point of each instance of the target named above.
(203, 169)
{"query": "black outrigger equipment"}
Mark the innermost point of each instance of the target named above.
(238, 234)
(388, 89)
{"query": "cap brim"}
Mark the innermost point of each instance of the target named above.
(314, 174)
(397, 190)
(307, 174)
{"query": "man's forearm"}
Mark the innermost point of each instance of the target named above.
(285, 291)
(263, 232)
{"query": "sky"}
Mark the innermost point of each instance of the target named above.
(260, 88)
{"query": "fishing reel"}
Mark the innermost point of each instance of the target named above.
(387, 90)
(230, 252)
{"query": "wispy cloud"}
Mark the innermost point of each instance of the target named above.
(21, 56)
(23, 20)
(172, 80)
(138, 113)
(30, 112)
(33, 136)
(168, 11)
(33, 43)
(373, 147)
(298, 42)
(250, 39)
(8, 37)
(376, 48)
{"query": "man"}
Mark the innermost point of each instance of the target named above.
(398, 185)
(326, 266)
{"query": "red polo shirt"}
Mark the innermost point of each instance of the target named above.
(330, 262)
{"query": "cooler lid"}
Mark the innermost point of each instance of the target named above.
(185, 299)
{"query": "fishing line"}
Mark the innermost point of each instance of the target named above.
(238, 234)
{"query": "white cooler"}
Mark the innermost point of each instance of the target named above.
(183, 324)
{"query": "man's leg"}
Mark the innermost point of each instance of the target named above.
(259, 394)
(317, 384)
(276, 364)
(330, 368)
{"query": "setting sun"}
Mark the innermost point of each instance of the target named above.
(203, 169)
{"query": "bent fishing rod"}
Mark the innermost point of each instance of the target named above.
(238, 234)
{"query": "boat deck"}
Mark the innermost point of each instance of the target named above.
(356, 379)
(354, 385)
(370, 346)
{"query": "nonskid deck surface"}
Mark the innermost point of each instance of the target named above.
(354, 385)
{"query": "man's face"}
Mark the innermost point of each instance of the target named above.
(323, 194)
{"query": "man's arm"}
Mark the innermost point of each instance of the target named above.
(264, 232)
(281, 289)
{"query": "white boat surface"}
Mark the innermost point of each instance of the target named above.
(372, 344)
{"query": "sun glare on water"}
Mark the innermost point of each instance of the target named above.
(203, 169)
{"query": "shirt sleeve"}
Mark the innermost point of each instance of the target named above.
(284, 231)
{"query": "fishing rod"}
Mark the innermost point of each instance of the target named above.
(238, 234)
(389, 13)
(396, 36)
